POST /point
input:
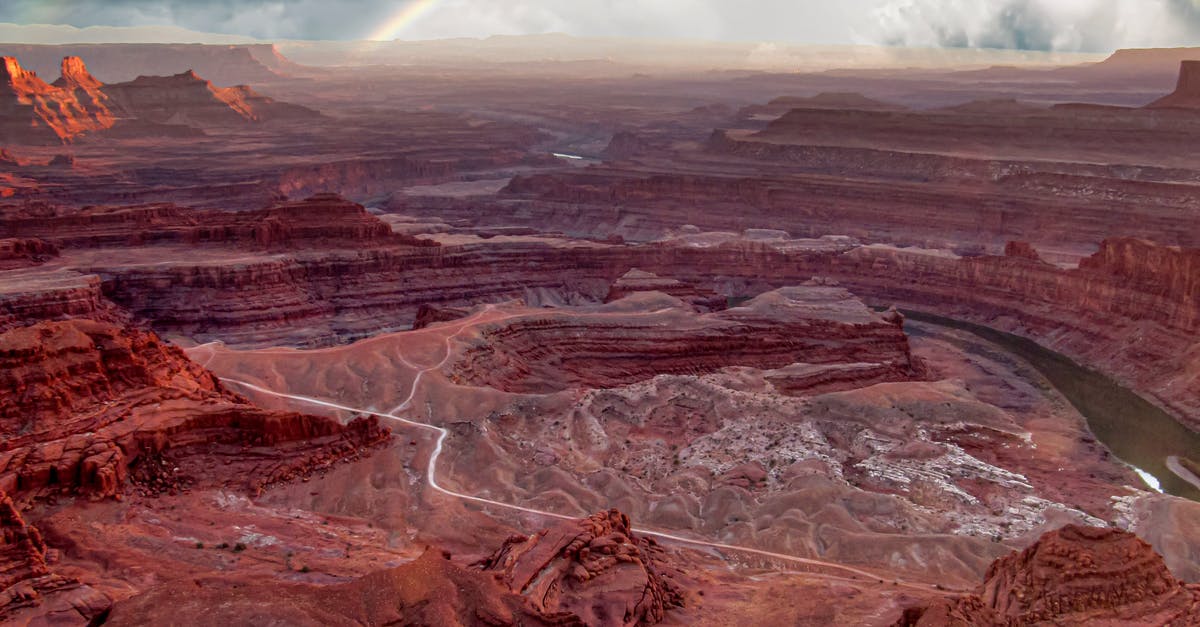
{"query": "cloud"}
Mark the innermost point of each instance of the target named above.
(1059, 25)
(758, 20)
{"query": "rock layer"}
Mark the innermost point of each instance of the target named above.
(649, 334)
(322, 221)
(90, 407)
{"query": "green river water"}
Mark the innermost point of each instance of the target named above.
(1134, 429)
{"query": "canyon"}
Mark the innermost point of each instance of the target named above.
(578, 343)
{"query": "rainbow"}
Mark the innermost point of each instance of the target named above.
(409, 13)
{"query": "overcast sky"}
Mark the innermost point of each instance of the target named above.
(1067, 25)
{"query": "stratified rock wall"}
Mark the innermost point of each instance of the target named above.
(651, 334)
(89, 406)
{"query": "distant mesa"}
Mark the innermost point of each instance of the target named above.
(837, 100)
(998, 106)
(78, 104)
(188, 99)
(1187, 91)
(847, 101)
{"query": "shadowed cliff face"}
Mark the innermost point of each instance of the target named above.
(1187, 92)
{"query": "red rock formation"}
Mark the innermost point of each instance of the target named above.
(23, 253)
(77, 103)
(811, 380)
(914, 198)
(29, 591)
(650, 334)
(1022, 250)
(324, 220)
(595, 568)
(23, 553)
(8, 159)
(1072, 576)
(1187, 92)
(33, 112)
(191, 100)
(428, 591)
(75, 75)
(113, 62)
(35, 296)
(636, 281)
(87, 406)
(431, 314)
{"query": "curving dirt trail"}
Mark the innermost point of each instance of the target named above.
(846, 572)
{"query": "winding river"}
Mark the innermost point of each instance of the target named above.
(1134, 429)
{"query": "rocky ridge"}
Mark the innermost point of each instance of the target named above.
(93, 408)
(594, 568)
(32, 111)
(77, 104)
(1072, 576)
(649, 334)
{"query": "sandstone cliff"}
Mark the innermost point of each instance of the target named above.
(33, 112)
(190, 100)
(650, 333)
(1132, 309)
(323, 220)
(91, 407)
(1187, 92)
